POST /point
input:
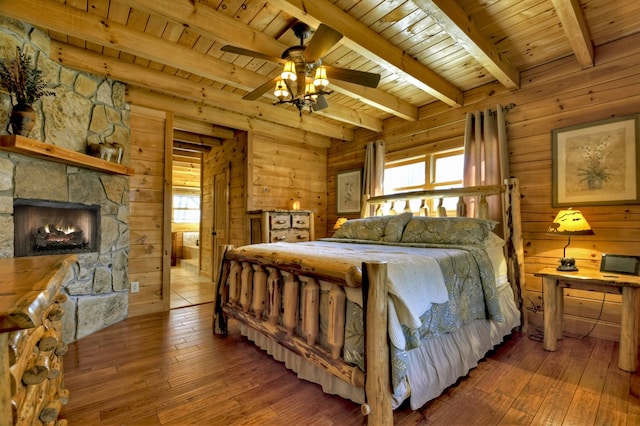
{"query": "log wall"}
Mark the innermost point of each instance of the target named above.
(147, 210)
(280, 172)
(554, 95)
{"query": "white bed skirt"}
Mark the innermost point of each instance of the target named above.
(438, 362)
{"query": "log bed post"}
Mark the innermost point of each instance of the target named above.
(378, 406)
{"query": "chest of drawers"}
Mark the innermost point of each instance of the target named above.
(272, 226)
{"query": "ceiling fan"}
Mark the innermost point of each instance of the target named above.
(304, 78)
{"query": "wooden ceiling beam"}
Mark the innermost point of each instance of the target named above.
(83, 25)
(145, 77)
(193, 138)
(211, 114)
(360, 38)
(455, 22)
(576, 30)
(202, 128)
(190, 147)
(212, 24)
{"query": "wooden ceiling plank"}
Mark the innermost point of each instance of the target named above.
(145, 77)
(463, 30)
(378, 99)
(206, 20)
(360, 38)
(576, 30)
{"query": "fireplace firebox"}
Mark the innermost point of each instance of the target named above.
(50, 227)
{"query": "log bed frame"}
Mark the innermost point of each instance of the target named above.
(255, 282)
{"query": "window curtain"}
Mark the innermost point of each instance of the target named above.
(373, 176)
(486, 156)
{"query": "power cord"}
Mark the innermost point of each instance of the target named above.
(538, 334)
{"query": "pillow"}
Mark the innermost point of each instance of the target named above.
(395, 227)
(370, 228)
(493, 240)
(447, 230)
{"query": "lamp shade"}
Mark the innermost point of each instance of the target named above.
(570, 222)
(289, 71)
(339, 223)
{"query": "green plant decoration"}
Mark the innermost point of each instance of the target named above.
(22, 80)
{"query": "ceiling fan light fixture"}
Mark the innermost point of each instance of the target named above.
(281, 92)
(289, 71)
(320, 79)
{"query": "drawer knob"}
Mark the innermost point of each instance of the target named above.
(280, 238)
(280, 222)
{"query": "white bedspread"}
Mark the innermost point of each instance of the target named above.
(415, 281)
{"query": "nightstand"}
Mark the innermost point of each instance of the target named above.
(553, 285)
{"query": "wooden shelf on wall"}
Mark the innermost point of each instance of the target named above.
(46, 151)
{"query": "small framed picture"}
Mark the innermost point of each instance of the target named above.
(349, 191)
(596, 163)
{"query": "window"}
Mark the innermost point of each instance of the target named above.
(186, 206)
(438, 170)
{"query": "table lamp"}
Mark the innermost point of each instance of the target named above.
(569, 222)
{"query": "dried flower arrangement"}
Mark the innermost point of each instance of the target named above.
(23, 80)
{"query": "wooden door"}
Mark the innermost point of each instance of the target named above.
(220, 231)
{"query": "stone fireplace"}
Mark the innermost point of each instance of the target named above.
(86, 109)
(98, 288)
(45, 227)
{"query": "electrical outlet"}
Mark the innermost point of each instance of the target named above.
(135, 286)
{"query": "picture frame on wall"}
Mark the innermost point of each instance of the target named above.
(596, 163)
(349, 191)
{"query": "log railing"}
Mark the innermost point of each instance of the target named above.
(480, 192)
(269, 300)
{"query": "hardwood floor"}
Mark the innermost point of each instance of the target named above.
(170, 369)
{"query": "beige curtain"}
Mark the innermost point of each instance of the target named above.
(373, 176)
(486, 155)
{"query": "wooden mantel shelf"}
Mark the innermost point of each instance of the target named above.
(34, 148)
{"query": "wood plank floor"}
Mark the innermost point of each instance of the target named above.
(170, 369)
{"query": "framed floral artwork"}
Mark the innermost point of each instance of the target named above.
(596, 163)
(349, 191)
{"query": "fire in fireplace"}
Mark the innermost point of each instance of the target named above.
(49, 227)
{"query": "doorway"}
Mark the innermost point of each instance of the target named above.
(188, 285)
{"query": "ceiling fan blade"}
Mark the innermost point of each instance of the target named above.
(362, 78)
(247, 52)
(321, 103)
(256, 93)
(323, 40)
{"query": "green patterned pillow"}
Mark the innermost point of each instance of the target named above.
(447, 230)
(395, 227)
(370, 228)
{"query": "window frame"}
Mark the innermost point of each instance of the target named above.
(193, 192)
(430, 159)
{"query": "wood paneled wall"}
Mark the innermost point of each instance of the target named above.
(281, 171)
(554, 95)
(147, 209)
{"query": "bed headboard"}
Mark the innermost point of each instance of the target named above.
(511, 220)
